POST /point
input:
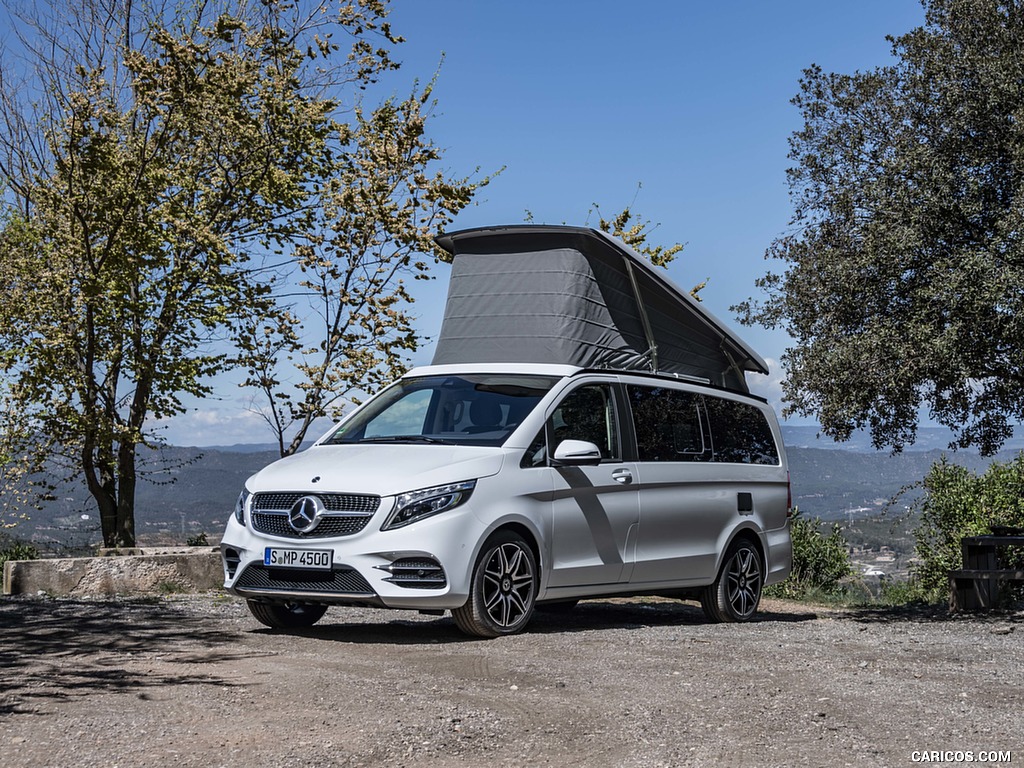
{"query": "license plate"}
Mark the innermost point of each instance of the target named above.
(315, 559)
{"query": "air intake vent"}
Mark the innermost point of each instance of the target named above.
(344, 581)
(416, 573)
(231, 562)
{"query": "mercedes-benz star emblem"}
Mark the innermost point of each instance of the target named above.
(305, 514)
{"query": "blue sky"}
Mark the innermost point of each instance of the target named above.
(581, 101)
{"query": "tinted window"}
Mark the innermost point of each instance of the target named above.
(740, 433)
(537, 454)
(588, 413)
(668, 424)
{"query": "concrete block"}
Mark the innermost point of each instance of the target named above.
(195, 571)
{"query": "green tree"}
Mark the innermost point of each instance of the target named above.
(351, 329)
(901, 276)
(15, 466)
(166, 165)
(635, 231)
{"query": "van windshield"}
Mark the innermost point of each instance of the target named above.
(464, 409)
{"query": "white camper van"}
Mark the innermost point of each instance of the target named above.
(585, 431)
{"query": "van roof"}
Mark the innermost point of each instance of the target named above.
(562, 371)
(545, 294)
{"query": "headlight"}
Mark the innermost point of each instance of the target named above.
(243, 499)
(416, 505)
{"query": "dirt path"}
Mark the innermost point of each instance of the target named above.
(195, 681)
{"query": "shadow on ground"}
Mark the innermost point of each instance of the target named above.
(939, 614)
(60, 649)
(588, 616)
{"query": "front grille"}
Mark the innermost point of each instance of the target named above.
(340, 581)
(416, 573)
(333, 502)
(276, 524)
(270, 514)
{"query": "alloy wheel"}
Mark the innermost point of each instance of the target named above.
(508, 584)
(743, 582)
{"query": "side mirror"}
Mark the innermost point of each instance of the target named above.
(576, 453)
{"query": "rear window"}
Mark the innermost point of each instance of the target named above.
(677, 425)
(740, 433)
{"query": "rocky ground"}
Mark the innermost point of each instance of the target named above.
(195, 681)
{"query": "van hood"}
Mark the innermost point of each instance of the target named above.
(383, 470)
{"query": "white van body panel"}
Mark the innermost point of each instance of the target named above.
(622, 526)
(372, 468)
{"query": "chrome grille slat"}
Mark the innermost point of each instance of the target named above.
(347, 514)
(282, 501)
(276, 524)
(417, 573)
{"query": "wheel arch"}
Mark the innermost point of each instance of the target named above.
(528, 536)
(749, 534)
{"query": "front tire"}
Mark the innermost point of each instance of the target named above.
(735, 594)
(503, 588)
(286, 615)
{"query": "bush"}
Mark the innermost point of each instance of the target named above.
(899, 592)
(957, 503)
(10, 549)
(820, 562)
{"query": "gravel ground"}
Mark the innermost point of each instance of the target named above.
(196, 681)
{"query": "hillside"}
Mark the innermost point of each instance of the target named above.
(187, 491)
(182, 492)
(834, 484)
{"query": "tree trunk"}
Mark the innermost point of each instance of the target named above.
(99, 478)
(125, 530)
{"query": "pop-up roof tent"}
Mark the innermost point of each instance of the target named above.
(576, 296)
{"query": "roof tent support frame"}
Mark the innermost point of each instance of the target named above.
(652, 347)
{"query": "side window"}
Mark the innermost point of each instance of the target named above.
(668, 424)
(588, 413)
(537, 454)
(740, 433)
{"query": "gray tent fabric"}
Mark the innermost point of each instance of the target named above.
(575, 296)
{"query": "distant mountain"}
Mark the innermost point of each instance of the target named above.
(185, 491)
(244, 448)
(833, 484)
(928, 439)
(181, 492)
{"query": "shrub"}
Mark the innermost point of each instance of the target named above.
(957, 503)
(11, 549)
(820, 562)
(898, 592)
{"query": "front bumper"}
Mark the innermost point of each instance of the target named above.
(424, 566)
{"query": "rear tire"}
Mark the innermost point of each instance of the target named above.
(503, 589)
(735, 594)
(286, 615)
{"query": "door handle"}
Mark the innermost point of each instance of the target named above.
(623, 476)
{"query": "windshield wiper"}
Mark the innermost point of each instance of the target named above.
(406, 439)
